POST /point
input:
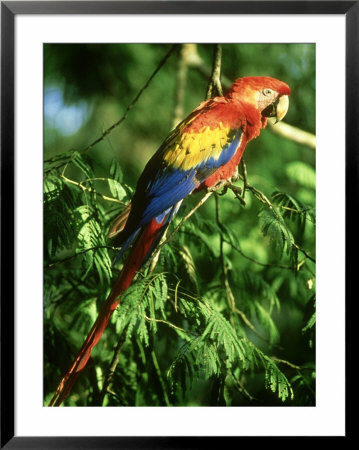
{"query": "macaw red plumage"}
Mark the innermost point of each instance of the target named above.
(204, 149)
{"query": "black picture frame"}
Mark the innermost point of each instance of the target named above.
(9, 10)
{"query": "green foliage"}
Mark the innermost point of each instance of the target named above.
(90, 242)
(219, 351)
(58, 207)
(227, 317)
(277, 230)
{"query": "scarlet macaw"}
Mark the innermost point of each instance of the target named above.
(203, 150)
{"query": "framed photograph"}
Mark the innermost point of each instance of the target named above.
(175, 182)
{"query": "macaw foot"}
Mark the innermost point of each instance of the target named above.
(228, 184)
(219, 185)
(235, 176)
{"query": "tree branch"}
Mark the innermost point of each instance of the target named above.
(229, 293)
(282, 361)
(135, 100)
(129, 107)
(214, 85)
(111, 370)
(182, 69)
(230, 296)
(294, 134)
(186, 217)
(90, 189)
(159, 374)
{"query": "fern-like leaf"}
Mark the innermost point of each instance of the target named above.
(219, 349)
(59, 203)
(294, 209)
(83, 162)
(91, 242)
(273, 226)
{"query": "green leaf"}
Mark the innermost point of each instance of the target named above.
(276, 381)
(189, 265)
(293, 208)
(116, 189)
(273, 226)
(91, 242)
(219, 349)
(116, 171)
(83, 163)
(59, 224)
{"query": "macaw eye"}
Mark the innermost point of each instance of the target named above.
(267, 92)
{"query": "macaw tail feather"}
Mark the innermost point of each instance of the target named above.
(83, 355)
(145, 243)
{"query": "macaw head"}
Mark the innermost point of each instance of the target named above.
(268, 95)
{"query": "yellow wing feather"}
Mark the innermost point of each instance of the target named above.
(189, 149)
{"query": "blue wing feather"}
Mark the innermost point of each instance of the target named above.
(160, 187)
(170, 185)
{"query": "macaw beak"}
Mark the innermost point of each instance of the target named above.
(282, 107)
(278, 109)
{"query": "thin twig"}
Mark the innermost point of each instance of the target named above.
(264, 199)
(244, 176)
(229, 293)
(240, 388)
(261, 197)
(150, 319)
(186, 217)
(304, 252)
(89, 189)
(238, 250)
(156, 255)
(134, 101)
(129, 107)
(249, 324)
(283, 361)
(109, 391)
(68, 258)
(160, 377)
(112, 368)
